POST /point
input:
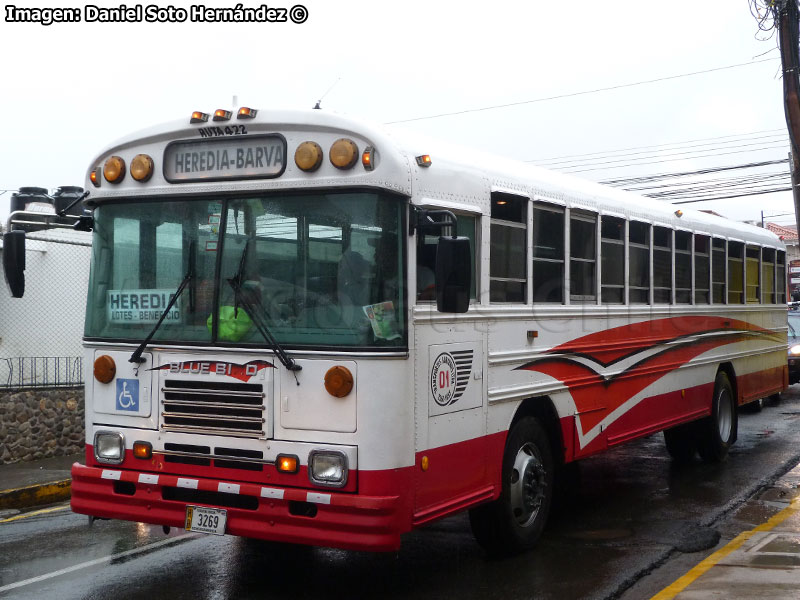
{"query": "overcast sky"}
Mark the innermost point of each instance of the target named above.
(70, 89)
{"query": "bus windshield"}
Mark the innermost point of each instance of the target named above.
(314, 269)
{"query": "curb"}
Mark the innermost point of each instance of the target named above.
(36, 495)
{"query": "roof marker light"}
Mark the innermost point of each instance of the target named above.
(222, 115)
(94, 177)
(246, 113)
(424, 160)
(198, 117)
(679, 213)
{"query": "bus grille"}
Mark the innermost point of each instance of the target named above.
(213, 408)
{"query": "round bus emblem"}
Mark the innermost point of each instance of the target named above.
(443, 379)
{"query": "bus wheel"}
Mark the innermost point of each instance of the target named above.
(718, 432)
(514, 521)
(682, 442)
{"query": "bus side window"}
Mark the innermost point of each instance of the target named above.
(780, 284)
(768, 274)
(702, 274)
(612, 257)
(662, 265)
(683, 267)
(752, 273)
(735, 273)
(718, 270)
(548, 254)
(508, 248)
(639, 262)
(582, 256)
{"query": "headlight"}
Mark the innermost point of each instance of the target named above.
(327, 467)
(794, 349)
(109, 447)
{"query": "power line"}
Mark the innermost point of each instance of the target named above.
(582, 93)
(692, 154)
(660, 176)
(602, 166)
(678, 145)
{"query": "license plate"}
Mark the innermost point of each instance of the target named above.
(206, 520)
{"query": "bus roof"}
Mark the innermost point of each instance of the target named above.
(458, 177)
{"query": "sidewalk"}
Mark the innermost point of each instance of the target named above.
(37, 482)
(760, 562)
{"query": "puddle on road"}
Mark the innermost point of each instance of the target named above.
(755, 513)
(600, 535)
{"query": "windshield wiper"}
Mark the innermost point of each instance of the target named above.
(256, 311)
(136, 357)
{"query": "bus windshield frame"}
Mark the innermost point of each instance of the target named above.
(327, 270)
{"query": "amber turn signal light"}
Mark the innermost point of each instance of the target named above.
(308, 156)
(343, 153)
(287, 463)
(339, 381)
(141, 167)
(142, 450)
(114, 169)
(104, 368)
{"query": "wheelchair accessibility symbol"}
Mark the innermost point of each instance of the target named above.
(128, 394)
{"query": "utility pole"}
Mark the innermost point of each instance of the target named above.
(787, 18)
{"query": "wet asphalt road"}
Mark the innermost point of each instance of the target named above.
(624, 512)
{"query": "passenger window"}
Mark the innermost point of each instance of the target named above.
(780, 284)
(718, 270)
(735, 273)
(639, 262)
(768, 274)
(508, 251)
(683, 267)
(752, 272)
(702, 265)
(582, 256)
(548, 254)
(612, 251)
(662, 265)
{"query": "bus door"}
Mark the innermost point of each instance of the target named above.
(451, 423)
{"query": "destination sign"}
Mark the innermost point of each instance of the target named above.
(262, 156)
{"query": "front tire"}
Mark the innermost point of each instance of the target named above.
(718, 432)
(514, 522)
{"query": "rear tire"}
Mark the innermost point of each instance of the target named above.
(681, 442)
(717, 433)
(514, 522)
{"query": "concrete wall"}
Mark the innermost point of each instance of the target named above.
(41, 423)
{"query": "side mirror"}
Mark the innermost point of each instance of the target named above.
(14, 262)
(453, 274)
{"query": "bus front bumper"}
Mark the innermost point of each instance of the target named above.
(318, 517)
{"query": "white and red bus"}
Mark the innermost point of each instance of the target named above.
(306, 329)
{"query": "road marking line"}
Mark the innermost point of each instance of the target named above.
(34, 513)
(96, 561)
(675, 588)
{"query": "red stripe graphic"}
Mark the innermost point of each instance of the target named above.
(596, 396)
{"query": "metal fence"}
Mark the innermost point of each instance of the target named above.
(40, 334)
